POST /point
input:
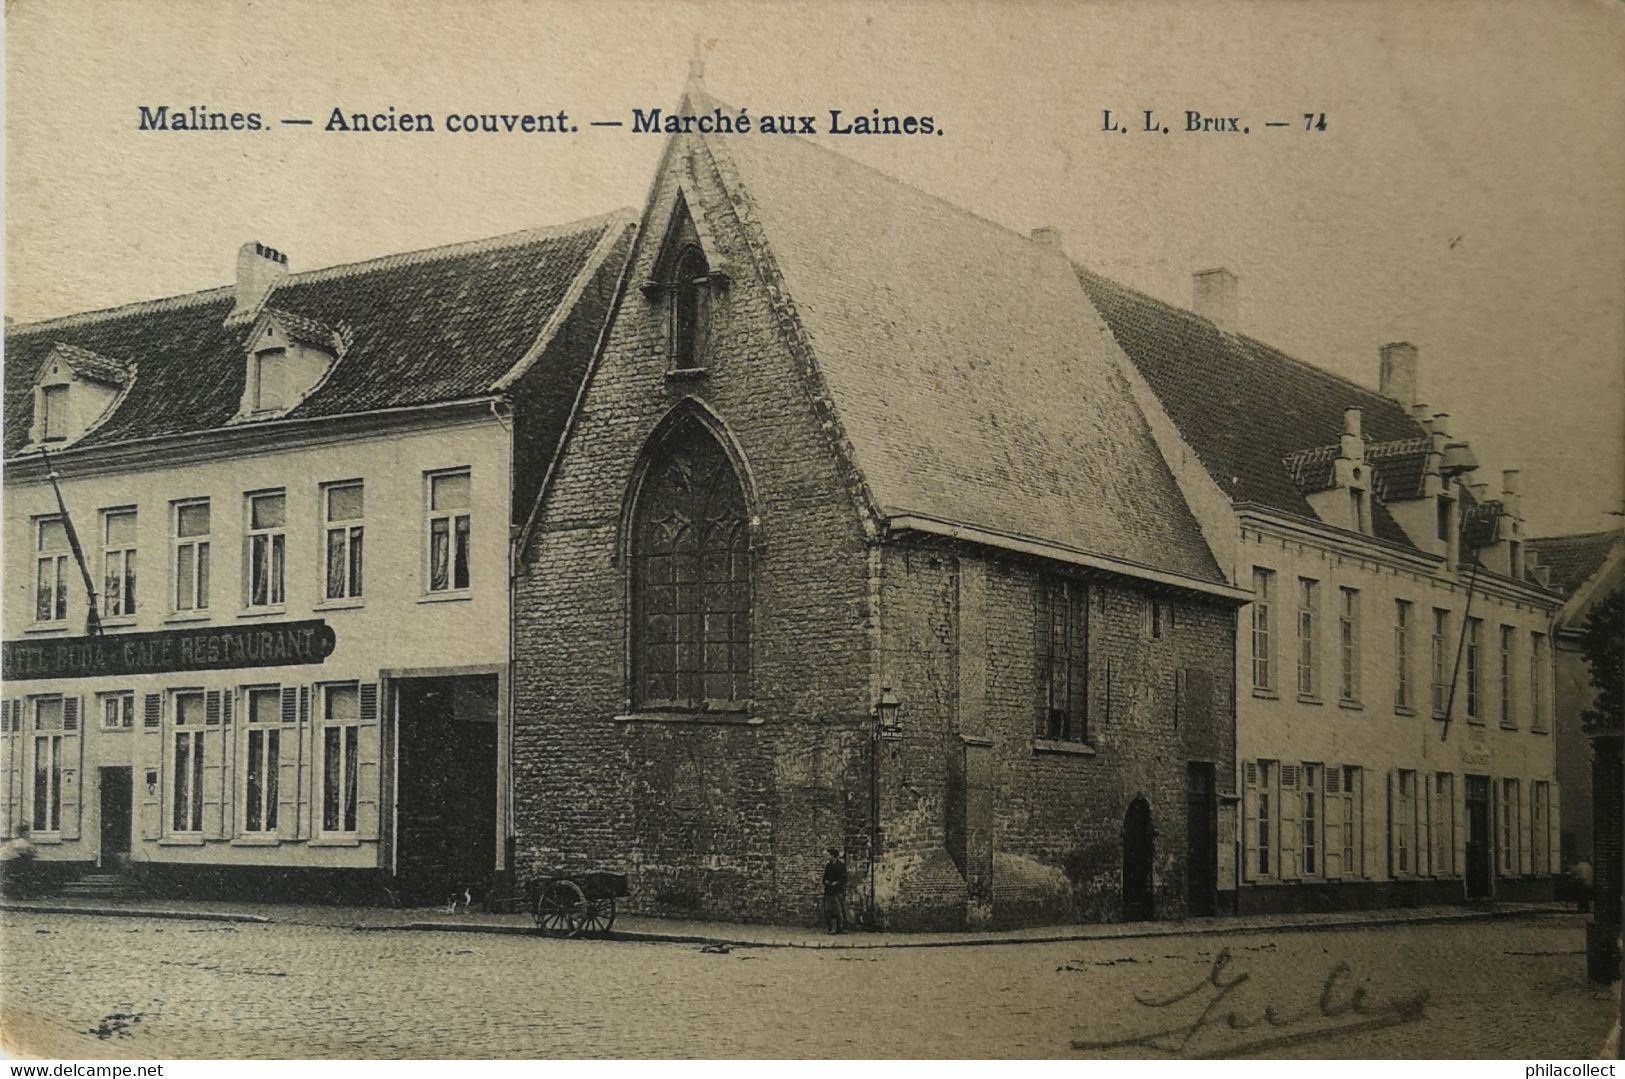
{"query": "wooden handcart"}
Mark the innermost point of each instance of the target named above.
(576, 905)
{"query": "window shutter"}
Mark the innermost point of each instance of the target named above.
(1554, 835)
(149, 777)
(287, 779)
(214, 767)
(1426, 825)
(228, 765)
(1331, 812)
(72, 768)
(1497, 868)
(1249, 823)
(8, 741)
(1526, 830)
(1393, 830)
(307, 767)
(1291, 843)
(368, 771)
(1370, 834)
(1078, 664)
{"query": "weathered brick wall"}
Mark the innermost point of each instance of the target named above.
(960, 649)
(725, 819)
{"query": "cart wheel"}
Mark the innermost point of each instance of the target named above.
(599, 916)
(559, 908)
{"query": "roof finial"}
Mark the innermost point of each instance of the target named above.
(696, 62)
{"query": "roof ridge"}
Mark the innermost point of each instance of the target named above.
(1189, 314)
(325, 273)
(1617, 533)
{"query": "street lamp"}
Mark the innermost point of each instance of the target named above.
(886, 709)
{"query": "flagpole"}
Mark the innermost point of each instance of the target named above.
(93, 622)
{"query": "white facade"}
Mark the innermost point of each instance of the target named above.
(198, 742)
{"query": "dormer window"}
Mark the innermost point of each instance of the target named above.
(1444, 513)
(269, 375)
(54, 401)
(690, 310)
(1357, 509)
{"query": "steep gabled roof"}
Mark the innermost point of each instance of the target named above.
(422, 328)
(971, 377)
(87, 364)
(1258, 419)
(1573, 560)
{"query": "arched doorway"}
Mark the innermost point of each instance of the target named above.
(1139, 839)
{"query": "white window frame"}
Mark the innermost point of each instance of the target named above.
(1474, 662)
(57, 432)
(278, 364)
(1308, 637)
(119, 558)
(190, 783)
(117, 709)
(51, 566)
(1443, 825)
(1265, 832)
(1508, 717)
(273, 541)
(1403, 823)
(1348, 646)
(266, 735)
(1540, 804)
(349, 534)
(46, 738)
(348, 767)
(1441, 663)
(451, 516)
(1312, 861)
(1402, 655)
(198, 545)
(1262, 635)
(1507, 849)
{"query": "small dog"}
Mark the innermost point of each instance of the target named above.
(462, 900)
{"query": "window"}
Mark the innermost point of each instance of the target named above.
(340, 714)
(55, 401)
(118, 562)
(1474, 668)
(1402, 655)
(1509, 827)
(1308, 632)
(689, 306)
(448, 531)
(1537, 681)
(1539, 798)
(1441, 666)
(691, 579)
(191, 543)
(1263, 582)
(118, 711)
(342, 507)
(1507, 718)
(1311, 820)
(50, 570)
(1065, 631)
(47, 815)
(1442, 514)
(1442, 831)
(1514, 558)
(268, 369)
(1402, 822)
(1266, 770)
(267, 549)
(188, 771)
(262, 757)
(1357, 508)
(1351, 818)
(1158, 616)
(1348, 645)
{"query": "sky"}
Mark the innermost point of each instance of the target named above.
(1467, 193)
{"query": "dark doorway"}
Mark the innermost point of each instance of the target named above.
(446, 793)
(1201, 841)
(1478, 837)
(1138, 847)
(116, 798)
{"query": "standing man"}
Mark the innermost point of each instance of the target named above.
(835, 892)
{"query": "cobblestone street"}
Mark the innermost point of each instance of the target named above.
(77, 986)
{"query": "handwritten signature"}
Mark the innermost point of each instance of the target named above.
(1348, 1008)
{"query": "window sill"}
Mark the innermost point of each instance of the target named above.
(1476, 721)
(46, 839)
(115, 730)
(256, 841)
(1353, 706)
(1509, 726)
(46, 627)
(263, 612)
(117, 621)
(181, 841)
(340, 604)
(446, 597)
(726, 719)
(1265, 694)
(334, 841)
(1309, 698)
(1540, 730)
(188, 616)
(1401, 710)
(1065, 749)
(687, 374)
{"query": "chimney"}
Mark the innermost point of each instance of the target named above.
(1510, 494)
(1214, 296)
(259, 269)
(1049, 236)
(1397, 376)
(1419, 413)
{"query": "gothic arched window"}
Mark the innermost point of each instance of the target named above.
(690, 277)
(691, 579)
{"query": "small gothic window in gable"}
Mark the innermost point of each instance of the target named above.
(690, 302)
(55, 403)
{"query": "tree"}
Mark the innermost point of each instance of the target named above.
(1602, 643)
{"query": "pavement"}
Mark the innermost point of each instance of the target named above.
(749, 935)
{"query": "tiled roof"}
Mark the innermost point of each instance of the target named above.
(88, 364)
(1478, 523)
(423, 327)
(1398, 468)
(965, 365)
(1574, 559)
(1246, 409)
(306, 330)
